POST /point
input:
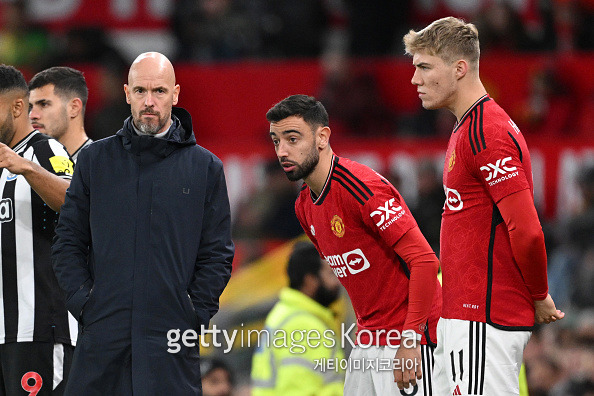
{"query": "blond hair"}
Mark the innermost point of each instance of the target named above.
(448, 38)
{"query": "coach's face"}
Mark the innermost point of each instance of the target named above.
(435, 81)
(296, 146)
(151, 92)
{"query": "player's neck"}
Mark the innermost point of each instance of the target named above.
(23, 128)
(318, 177)
(467, 96)
(72, 140)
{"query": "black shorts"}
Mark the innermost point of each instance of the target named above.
(34, 368)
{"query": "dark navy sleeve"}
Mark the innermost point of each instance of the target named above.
(71, 243)
(215, 253)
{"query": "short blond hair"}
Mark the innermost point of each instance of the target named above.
(448, 38)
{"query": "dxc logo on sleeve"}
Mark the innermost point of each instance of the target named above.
(385, 211)
(6, 210)
(498, 168)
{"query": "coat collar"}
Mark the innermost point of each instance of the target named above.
(152, 148)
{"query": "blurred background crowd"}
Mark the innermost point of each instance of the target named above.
(236, 58)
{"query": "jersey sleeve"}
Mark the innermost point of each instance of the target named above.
(386, 212)
(54, 158)
(498, 164)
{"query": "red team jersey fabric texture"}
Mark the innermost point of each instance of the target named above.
(354, 224)
(487, 160)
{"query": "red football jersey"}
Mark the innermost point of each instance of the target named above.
(355, 223)
(487, 159)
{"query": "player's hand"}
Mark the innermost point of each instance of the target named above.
(407, 366)
(12, 161)
(546, 312)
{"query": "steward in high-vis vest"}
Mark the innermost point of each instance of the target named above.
(299, 351)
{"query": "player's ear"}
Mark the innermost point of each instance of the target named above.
(323, 137)
(461, 68)
(74, 107)
(18, 107)
(126, 90)
(175, 94)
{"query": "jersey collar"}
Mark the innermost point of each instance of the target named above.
(24, 140)
(326, 189)
(86, 143)
(482, 99)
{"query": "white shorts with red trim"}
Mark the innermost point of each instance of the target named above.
(370, 372)
(474, 358)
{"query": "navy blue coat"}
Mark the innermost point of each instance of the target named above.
(143, 245)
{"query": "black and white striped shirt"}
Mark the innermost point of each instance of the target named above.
(32, 306)
(74, 155)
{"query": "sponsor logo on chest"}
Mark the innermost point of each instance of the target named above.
(6, 210)
(453, 199)
(347, 263)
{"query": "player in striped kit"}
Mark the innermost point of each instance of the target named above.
(58, 98)
(37, 335)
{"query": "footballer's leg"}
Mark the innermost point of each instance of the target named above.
(440, 377)
(36, 368)
(504, 355)
(459, 364)
(474, 358)
(358, 380)
(383, 380)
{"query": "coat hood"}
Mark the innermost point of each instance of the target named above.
(180, 135)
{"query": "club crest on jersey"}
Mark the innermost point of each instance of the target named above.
(6, 210)
(11, 176)
(337, 226)
(452, 161)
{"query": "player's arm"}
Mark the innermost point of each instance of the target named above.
(71, 243)
(414, 249)
(50, 187)
(403, 235)
(216, 250)
(528, 247)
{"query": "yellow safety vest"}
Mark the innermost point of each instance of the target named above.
(299, 351)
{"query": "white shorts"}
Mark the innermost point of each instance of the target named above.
(474, 358)
(370, 372)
